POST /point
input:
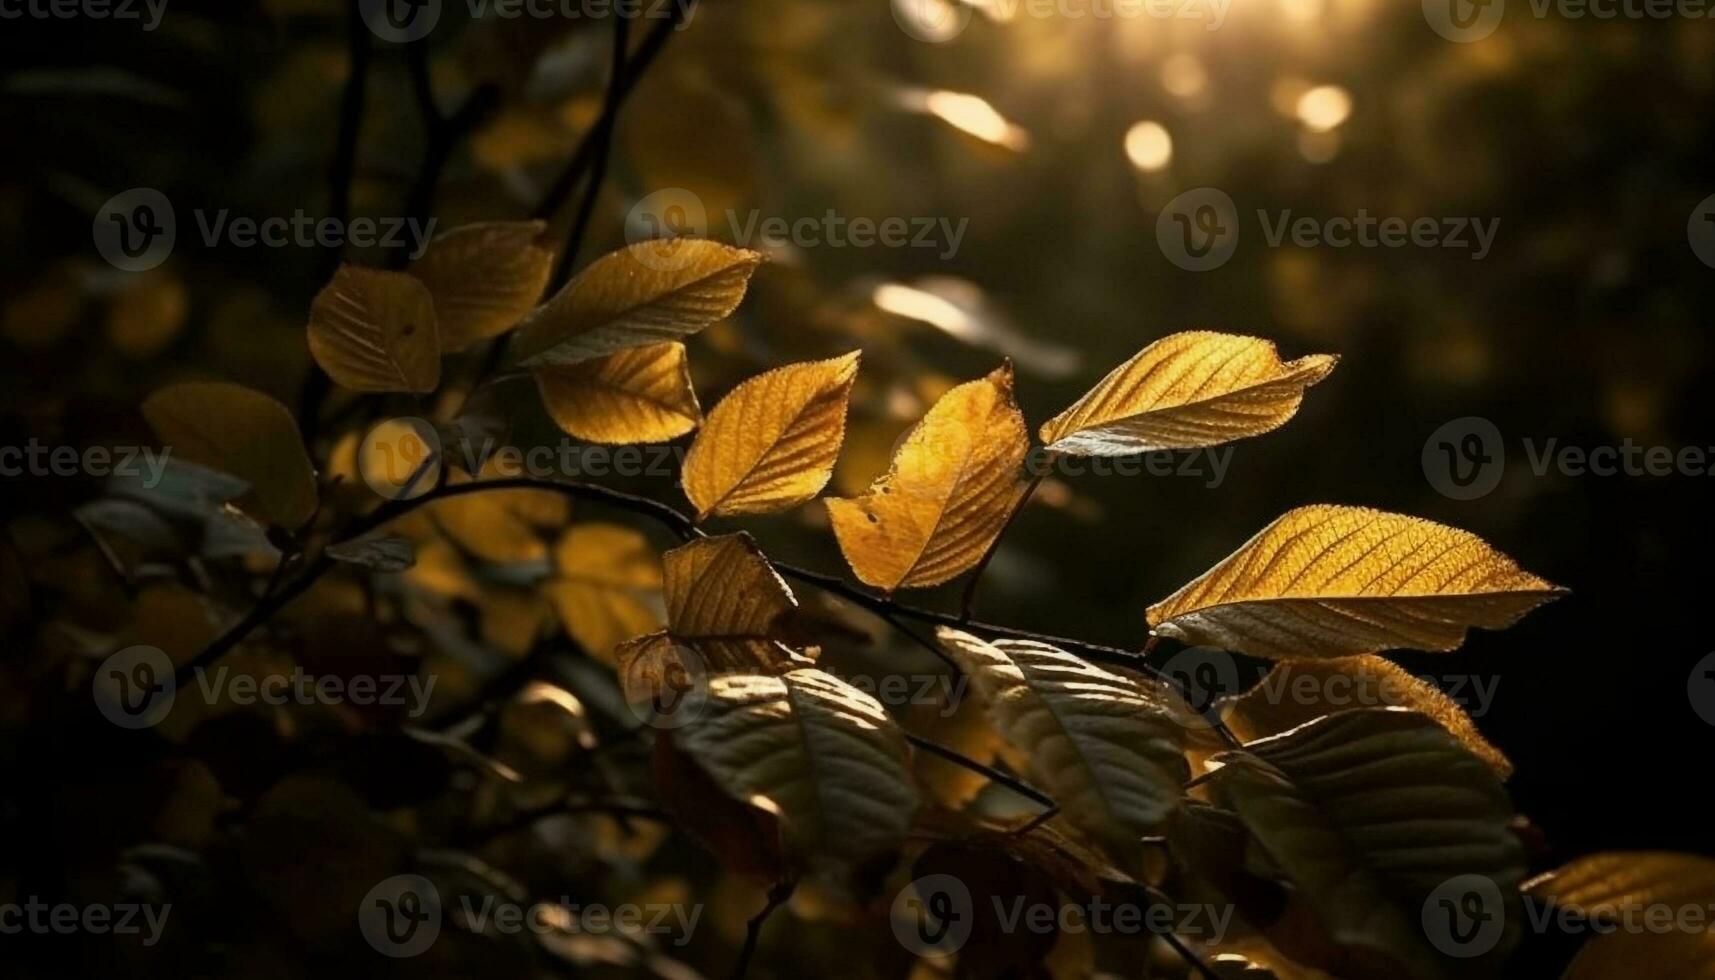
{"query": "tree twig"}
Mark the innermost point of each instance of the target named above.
(969, 601)
(603, 137)
(777, 897)
(963, 761)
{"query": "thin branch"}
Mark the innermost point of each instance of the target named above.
(603, 137)
(584, 156)
(970, 598)
(777, 897)
(1018, 786)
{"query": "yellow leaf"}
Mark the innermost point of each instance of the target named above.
(1105, 746)
(725, 602)
(1368, 813)
(1299, 692)
(633, 298)
(607, 586)
(484, 278)
(243, 432)
(500, 526)
(373, 330)
(1610, 885)
(1187, 391)
(1326, 581)
(813, 751)
(639, 395)
(771, 444)
(947, 494)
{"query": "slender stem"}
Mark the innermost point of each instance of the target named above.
(970, 599)
(340, 171)
(603, 137)
(1018, 786)
(584, 156)
(777, 897)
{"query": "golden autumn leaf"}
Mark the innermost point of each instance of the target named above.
(606, 586)
(243, 432)
(639, 395)
(373, 330)
(1187, 391)
(484, 278)
(947, 494)
(725, 602)
(1367, 813)
(1327, 581)
(500, 526)
(813, 751)
(1104, 745)
(1609, 885)
(632, 298)
(1302, 691)
(771, 444)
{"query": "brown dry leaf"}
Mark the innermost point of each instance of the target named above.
(725, 603)
(771, 444)
(1299, 692)
(243, 432)
(1605, 885)
(947, 494)
(640, 295)
(373, 330)
(639, 395)
(1367, 813)
(1105, 746)
(606, 586)
(484, 278)
(1187, 391)
(1327, 581)
(813, 751)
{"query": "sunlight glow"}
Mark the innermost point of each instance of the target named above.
(920, 305)
(1324, 108)
(971, 114)
(1149, 146)
(1183, 75)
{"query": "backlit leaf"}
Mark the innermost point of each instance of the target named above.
(771, 444)
(373, 330)
(814, 751)
(1104, 746)
(606, 588)
(1326, 581)
(1301, 691)
(501, 526)
(1187, 391)
(484, 278)
(634, 298)
(243, 432)
(639, 395)
(1612, 885)
(724, 602)
(947, 494)
(1368, 813)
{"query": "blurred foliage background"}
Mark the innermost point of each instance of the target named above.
(1590, 141)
